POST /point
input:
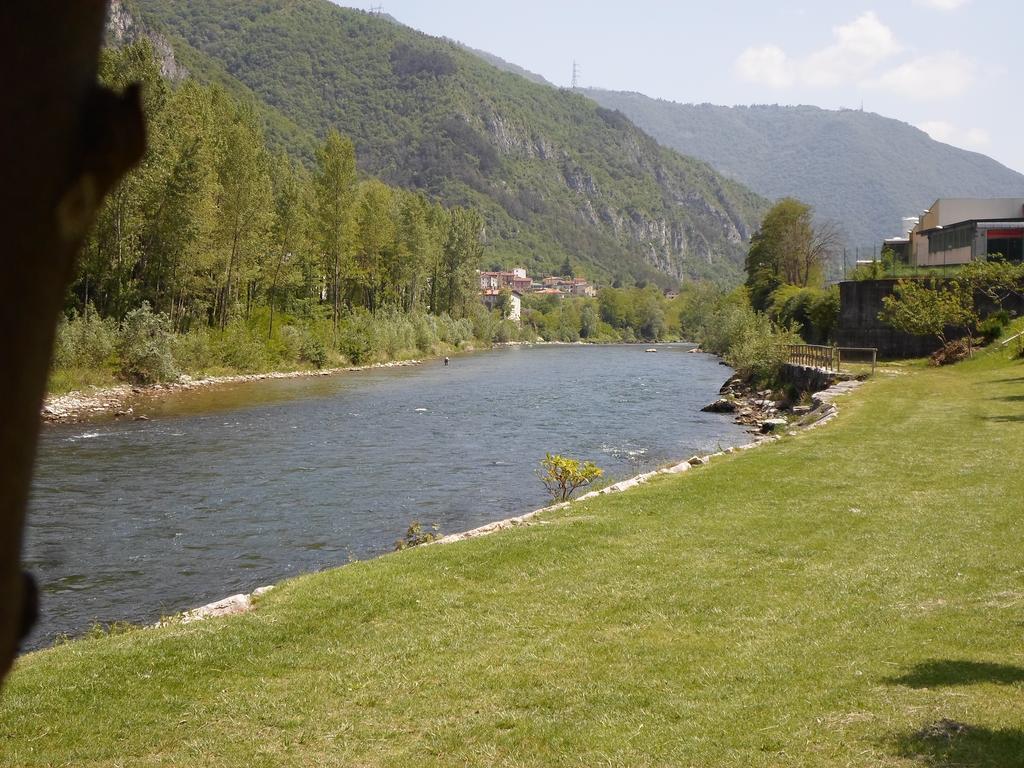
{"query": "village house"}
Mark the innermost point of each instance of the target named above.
(516, 280)
(493, 285)
(568, 286)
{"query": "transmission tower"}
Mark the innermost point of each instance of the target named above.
(377, 10)
(575, 75)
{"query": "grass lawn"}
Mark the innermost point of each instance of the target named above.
(852, 596)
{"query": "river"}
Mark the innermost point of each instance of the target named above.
(238, 486)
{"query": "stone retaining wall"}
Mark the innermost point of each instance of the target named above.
(860, 301)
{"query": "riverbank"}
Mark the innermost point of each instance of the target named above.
(846, 596)
(824, 410)
(128, 401)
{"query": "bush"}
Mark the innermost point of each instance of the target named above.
(85, 342)
(813, 310)
(243, 348)
(562, 476)
(356, 338)
(313, 350)
(145, 346)
(824, 313)
(992, 327)
(758, 348)
(193, 351)
(415, 536)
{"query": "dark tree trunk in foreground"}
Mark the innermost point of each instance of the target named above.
(64, 142)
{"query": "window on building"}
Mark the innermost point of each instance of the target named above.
(1009, 243)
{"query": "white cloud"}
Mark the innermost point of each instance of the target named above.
(768, 65)
(942, 5)
(929, 78)
(947, 133)
(858, 48)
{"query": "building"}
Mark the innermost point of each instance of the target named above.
(492, 297)
(960, 230)
(516, 280)
(567, 286)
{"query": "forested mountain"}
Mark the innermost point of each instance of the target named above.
(859, 169)
(554, 174)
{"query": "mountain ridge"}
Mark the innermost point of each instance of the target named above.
(860, 169)
(555, 175)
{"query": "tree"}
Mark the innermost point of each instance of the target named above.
(922, 309)
(504, 303)
(562, 476)
(462, 254)
(290, 228)
(788, 249)
(244, 201)
(994, 278)
(375, 247)
(335, 188)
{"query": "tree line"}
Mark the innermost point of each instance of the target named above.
(212, 226)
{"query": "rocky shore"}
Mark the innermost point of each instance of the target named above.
(767, 412)
(127, 401)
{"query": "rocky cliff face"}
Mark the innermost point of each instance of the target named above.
(124, 28)
(669, 242)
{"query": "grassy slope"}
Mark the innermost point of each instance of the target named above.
(812, 603)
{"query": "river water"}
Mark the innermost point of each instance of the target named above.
(239, 486)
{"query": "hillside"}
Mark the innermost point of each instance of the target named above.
(860, 169)
(556, 175)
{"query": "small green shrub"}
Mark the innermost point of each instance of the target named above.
(992, 327)
(562, 476)
(415, 536)
(313, 350)
(758, 347)
(85, 341)
(243, 348)
(193, 351)
(145, 346)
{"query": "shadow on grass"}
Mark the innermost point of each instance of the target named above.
(930, 674)
(1010, 399)
(1004, 419)
(947, 743)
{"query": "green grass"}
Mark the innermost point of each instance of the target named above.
(64, 380)
(822, 601)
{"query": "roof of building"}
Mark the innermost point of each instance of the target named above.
(1015, 223)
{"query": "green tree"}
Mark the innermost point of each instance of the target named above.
(928, 309)
(589, 322)
(374, 229)
(335, 190)
(994, 278)
(788, 249)
(462, 254)
(290, 231)
(244, 202)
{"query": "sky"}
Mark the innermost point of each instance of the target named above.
(949, 67)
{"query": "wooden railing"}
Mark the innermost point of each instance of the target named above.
(830, 358)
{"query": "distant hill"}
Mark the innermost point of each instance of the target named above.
(508, 66)
(860, 169)
(555, 174)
